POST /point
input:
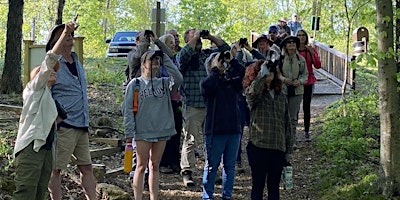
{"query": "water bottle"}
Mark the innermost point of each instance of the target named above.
(288, 176)
(128, 158)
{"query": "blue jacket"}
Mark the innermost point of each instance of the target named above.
(220, 94)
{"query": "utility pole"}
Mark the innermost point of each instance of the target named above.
(158, 19)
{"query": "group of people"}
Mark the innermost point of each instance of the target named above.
(207, 94)
(218, 91)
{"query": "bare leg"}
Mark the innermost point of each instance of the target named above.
(55, 185)
(88, 182)
(156, 152)
(142, 158)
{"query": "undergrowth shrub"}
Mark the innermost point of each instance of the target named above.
(7, 161)
(349, 143)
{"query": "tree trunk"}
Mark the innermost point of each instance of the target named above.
(11, 78)
(60, 10)
(389, 104)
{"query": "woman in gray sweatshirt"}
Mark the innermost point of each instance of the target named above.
(152, 124)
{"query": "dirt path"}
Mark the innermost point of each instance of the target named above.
(171, 184)
(303, 162)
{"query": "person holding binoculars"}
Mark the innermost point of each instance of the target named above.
(222, 129)
(191, 59)
(149, 119)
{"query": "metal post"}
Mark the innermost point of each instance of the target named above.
(158, 19)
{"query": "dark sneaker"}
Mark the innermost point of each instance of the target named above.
(187, 178)
(239, 168)
(307, 137)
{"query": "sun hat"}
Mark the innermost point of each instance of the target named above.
(262, 36)
(52, 34)
(282, 19)
(294, 38)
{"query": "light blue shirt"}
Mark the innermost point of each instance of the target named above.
(70, 91)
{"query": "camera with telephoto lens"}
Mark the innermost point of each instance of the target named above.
(242, 41)
(224, 55)
(148, 33)
(204, 33)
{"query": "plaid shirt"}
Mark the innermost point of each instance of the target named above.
(269, 118)
(193, 70)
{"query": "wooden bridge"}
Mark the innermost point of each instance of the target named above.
(332, 73)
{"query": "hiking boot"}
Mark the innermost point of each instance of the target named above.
(307, 137)
(239, 168)
(187, 178)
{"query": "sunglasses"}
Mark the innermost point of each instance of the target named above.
(290, 42)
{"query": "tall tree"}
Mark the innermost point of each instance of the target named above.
(60, 10)
(389, 104)
(11, 79)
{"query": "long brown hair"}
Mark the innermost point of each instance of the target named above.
(252, 72)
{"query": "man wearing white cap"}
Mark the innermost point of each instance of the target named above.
(294, 24)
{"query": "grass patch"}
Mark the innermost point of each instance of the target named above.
(350, 143)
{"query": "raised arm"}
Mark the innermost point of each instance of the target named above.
(173, 71)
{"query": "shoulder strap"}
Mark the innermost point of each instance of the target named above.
(136, 96)
(281, 58)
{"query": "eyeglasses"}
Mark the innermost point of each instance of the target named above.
(154, 59)
(301, 35)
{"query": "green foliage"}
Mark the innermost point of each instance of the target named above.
(350, 145)
(6, 161)
(107, 71)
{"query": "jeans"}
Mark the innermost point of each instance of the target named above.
(307, 96)
(265, 163)
(219, 146)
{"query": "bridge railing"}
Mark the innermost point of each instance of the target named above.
(334, 62)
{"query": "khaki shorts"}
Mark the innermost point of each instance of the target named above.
(72, 145)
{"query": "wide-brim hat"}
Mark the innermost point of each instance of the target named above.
(262, 36)
(52, 34)
(294, 38)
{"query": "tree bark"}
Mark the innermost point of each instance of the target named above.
(389, 104)
(60, 10)
(11, 78)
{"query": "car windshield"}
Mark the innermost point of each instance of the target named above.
(125, 36)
